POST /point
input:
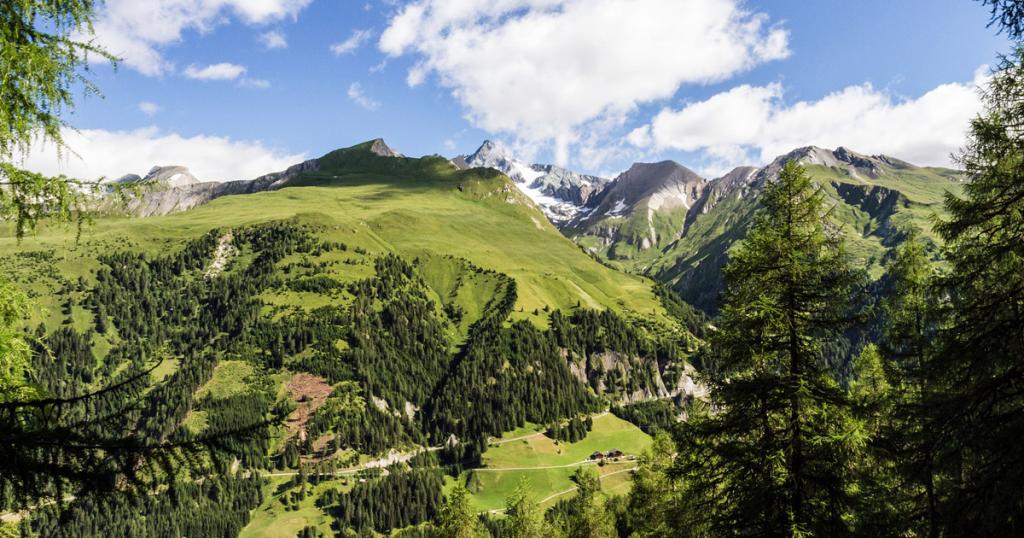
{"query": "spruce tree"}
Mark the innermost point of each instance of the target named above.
(975, 413)
(457, 518)
(524, 518)
(774, 456)
(912, 316)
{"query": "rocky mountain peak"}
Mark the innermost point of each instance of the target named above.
(840, 158)
(171, 176)
(649, 187)
(561, 193)
(379, 147)
(660, 173)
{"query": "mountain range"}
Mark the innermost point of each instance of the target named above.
(658, 219)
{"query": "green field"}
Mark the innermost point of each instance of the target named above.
(229, 378)
(272, 520)
(547, 465)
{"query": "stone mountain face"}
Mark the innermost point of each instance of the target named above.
(163, 197)
(632, 208)
(665, 184)
(173, 188)
(381, 149)
(172, 176)
(162, 176)
(562, 194)
(567, 185)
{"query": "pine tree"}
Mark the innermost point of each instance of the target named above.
(457, 518)
(524, 518)
(884, 504)
(774, 457)
(911, 316)
(975, 413)
(651, 502)
(588, 516)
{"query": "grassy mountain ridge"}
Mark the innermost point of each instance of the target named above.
(381, 203)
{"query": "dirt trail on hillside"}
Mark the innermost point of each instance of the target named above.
(220, 256)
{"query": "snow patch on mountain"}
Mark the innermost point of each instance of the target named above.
(561, 194)
(618, 210)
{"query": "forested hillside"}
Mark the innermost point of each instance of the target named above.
(327, 340)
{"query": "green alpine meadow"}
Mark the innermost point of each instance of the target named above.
(289, 327)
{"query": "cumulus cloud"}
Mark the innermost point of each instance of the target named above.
(353, 42)
(359, 97)
(548, 70)
(111, 154)
(274, 40)
(139, 31)
(750, 124)
(221, 71)
(148, 108)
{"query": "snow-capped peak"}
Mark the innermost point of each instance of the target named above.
(560, 193)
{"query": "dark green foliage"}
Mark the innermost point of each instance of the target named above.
(215, 507)
(973, 406)
(638, 355)
(775, 460)
(575, 430)
(695, 320)
(502, 377)
(400, 499)
(368, 430)
(1008, 16)
(652, 416)
(310, 532)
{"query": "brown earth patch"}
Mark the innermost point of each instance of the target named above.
(310, 392)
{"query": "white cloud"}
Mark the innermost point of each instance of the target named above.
(111, 154)
(221, 71)
(148, 108)
(549, 70)
(751, 124)
(356, 94)
(257, 83)
(139, 31)
(274, 40)
(353, 42)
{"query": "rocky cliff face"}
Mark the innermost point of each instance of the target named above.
(167, 189)
(380, 148)
(629, 379)
(162, 197)
(630, 208)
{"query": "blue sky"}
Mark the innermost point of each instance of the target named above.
(593, 84)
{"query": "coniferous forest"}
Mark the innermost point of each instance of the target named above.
(262, 373)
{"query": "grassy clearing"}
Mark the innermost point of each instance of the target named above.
(272, 520)
(229, 379)
(609, 432)
(164, 370)
(547, 465)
